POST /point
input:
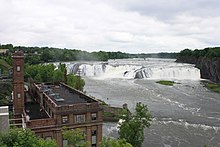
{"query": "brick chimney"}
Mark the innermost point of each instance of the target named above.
(18, 82)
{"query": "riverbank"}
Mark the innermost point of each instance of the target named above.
(212, 86)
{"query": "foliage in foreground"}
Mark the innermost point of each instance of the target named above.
(164, 82)
(131, 127)
(112, 142)
(17, 137)
(74, 137)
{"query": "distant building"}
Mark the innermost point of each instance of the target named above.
(47, 108)
(3, 51)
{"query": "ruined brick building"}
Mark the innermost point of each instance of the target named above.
(47, 108)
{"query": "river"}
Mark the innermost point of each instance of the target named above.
(184, 115)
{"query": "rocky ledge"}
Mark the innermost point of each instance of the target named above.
(209, 67)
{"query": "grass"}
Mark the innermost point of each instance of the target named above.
(164, 82)
(213, 87)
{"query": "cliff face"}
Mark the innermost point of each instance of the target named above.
(209, 68)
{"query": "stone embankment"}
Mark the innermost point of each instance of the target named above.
(112, 114)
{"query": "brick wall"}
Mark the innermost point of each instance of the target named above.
(18, 82)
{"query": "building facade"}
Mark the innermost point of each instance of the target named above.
(48, 108)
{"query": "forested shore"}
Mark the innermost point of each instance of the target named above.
(207, 60)
(36, 55)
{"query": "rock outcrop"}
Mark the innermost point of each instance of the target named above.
(209, 67)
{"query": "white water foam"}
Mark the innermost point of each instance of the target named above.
(183, 106)
(187, 125)
(131, 70)
(179, 72)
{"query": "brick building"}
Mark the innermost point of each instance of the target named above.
(47, 108)
(18, 83)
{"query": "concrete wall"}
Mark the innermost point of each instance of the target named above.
(4, 119)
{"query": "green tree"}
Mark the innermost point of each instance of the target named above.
(7, 46)
(47, 73)
(131, 126)
(33, 59)
(41, 73)
(38, 78)
(186, 52)
(58, 76)
(46, 56)
(63, 69)
(112, 142)
(5, 91)
(75, 81)
(18, 137)
(46, 143)
(74, 137)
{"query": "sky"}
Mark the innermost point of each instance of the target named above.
(132, 26)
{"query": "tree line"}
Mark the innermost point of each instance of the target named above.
(36, 55)
(206, 52)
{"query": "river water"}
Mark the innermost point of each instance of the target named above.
(184, 115)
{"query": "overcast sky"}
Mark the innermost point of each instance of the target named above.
(133, 26)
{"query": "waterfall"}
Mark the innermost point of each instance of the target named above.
(155, 69)
(180, 73)
(72, 67)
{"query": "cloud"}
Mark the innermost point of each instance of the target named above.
(170, 8)
(111, 25)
